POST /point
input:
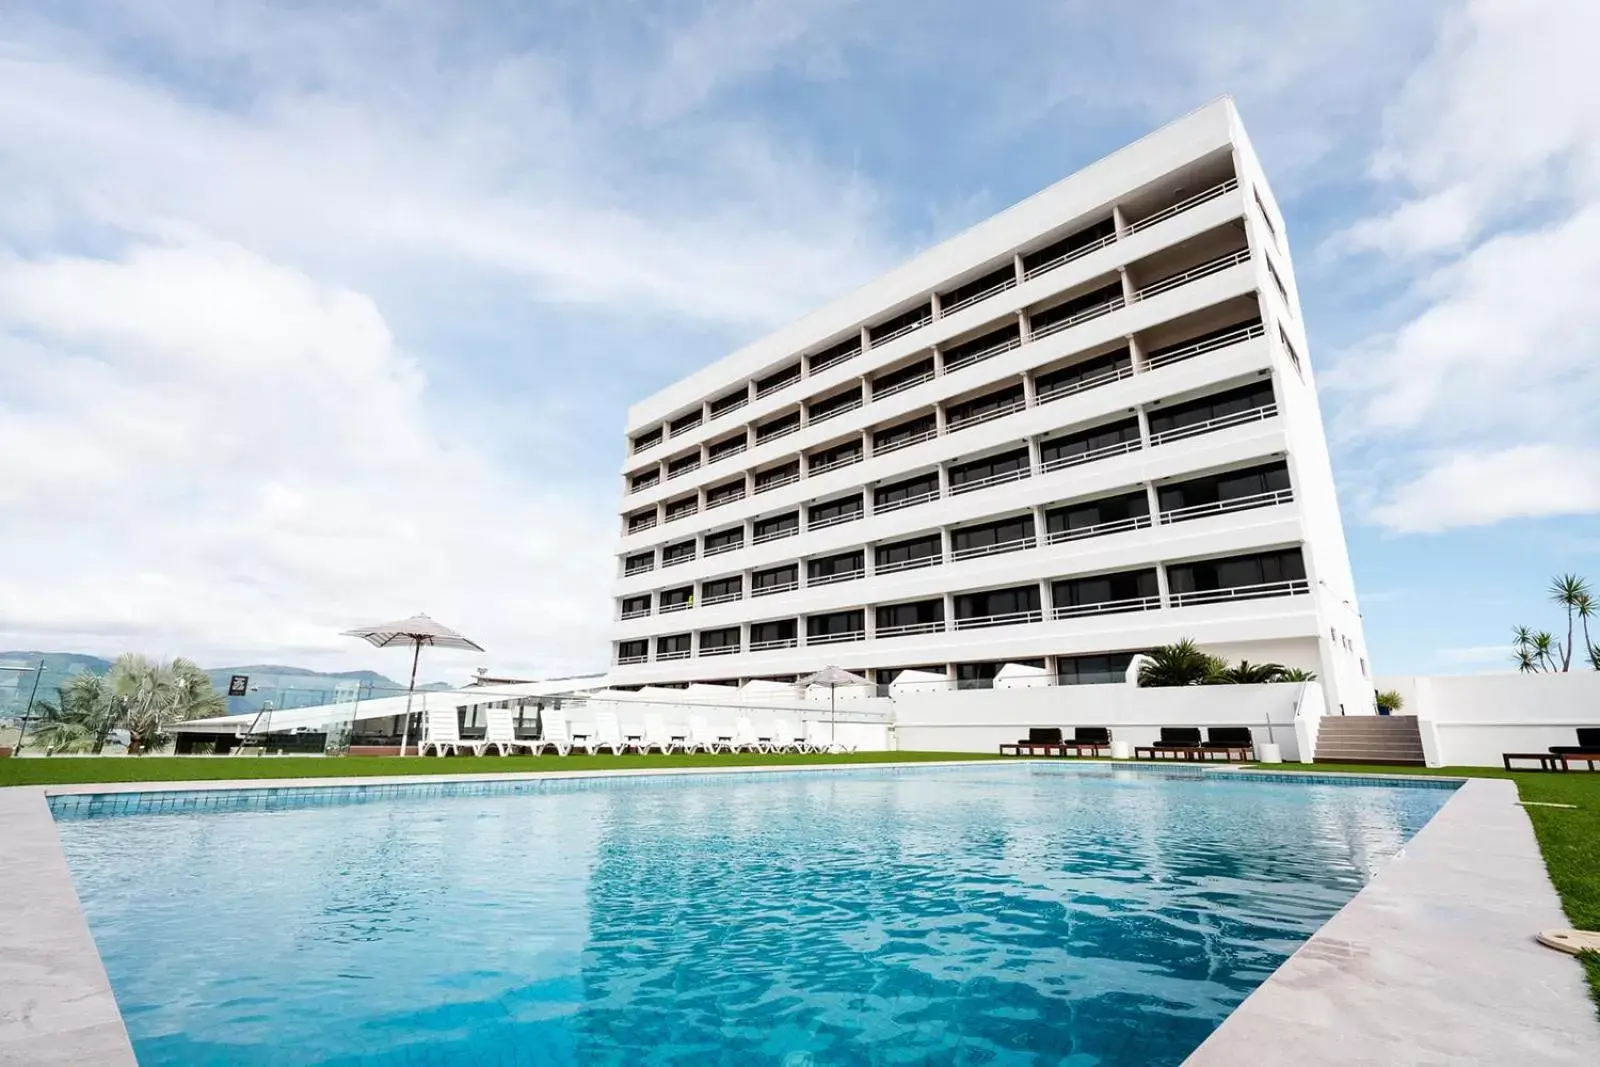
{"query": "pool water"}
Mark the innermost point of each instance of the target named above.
(1012, 914)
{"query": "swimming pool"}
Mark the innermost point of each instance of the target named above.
(1016, 914)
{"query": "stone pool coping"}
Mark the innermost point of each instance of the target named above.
(1433, 961)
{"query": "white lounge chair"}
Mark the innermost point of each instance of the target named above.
(783, 738)
(745, 738)
(441, 730)
(553, 734)
(702, 738)
(501, 733)
(818, 741)
(657, 736)
(607, 733)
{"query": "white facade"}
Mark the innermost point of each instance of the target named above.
(1033, 443)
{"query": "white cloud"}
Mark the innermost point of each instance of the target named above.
(1476, 489)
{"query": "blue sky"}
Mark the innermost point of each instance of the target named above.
(314, 313)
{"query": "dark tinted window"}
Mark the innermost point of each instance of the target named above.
(904, 551)
(923, 611)
(774, 475)
(648, 478)
(645, 440)
(671, 598)
(722, 587)
(673, 643)
(730, 402)
(838, 353)
(1104, 588)
(636, 603)
(778, 378)
(1237, 571)
(778, 630)
(682, 550)
(845, 453)
(1005, 463)
(837, 402)
(1041, 320)
(1069, 244)
(777, 576)
(643, 561)
(778, 524)
(724, 638)
(902, 491)
(1086, 441)
(992, 533)
(685, 422)
(632, 649)
(915, 317)
(895, 434)
(840, 622)
(725, 539)
(1200, 339)
(1233, 485)
(984, 405)
(829, 566)
(997, 602)
(728, 446)
(834, 509)
(999, 278)
(1098, 512)
(1064, 380)
(1216, 406)
(991, 343)
(778, 425)
(905, 374)
(1094, 670)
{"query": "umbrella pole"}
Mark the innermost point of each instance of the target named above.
(405, 730)
(830, 716)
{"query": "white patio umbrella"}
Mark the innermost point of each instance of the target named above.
(416, 631)
(832, 677)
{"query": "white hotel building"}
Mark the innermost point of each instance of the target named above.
(1081, 428)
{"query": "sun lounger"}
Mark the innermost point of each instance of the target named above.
(554, 735)
(1041, 741)
(783, 738)
(657, 736)
(1177, 742)
(703, 739)
(1091, 739)
(1231, 741)
(745, 738)
(501, 733)
(818, 741)
(441, 730)
(607, 734)
(1562, 757)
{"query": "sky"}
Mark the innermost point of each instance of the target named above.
(314, 314)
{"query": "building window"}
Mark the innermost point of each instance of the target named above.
(647, 440)
(777, 526)
(632, 651)
(900, 494)
(1094, 371)
(976, 540)
(839, 624)
(676, 599)
(922, 614)
(722, 589)
(1277, 280)
(1126, 510)
(678, 553)
(777, 380)
(903, 554)
(775, 580)
(849, 348)
(1253, 483)
(674, 645)
(994, 467)
(1133, 590)
(834, 511)
(998, 602)
(634, 606)
(1237, 572)
(725, 541)
(834, 568)
(638, 564)
(724, 640)
(1109, 669)
(1251, 397)
(1266, 216)
(775, 477)
(1288, 350)
(1086, 444)
(772, 634)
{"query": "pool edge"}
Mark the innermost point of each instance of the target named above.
(1433, 961)
(56, 1002)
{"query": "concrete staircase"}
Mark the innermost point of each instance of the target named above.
(1369, 739)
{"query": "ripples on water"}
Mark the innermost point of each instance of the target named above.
(989, 916)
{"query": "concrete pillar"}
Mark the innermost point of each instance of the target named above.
(1155, 502)
(933, 304)
(944, 542)
(938, 360)
(944, 480)
(1144, 426)
(1039, 525)
(1119, 221)
(950, 609)
(1022, 325)
(1030, 395)
(1136, 351)
(1127, 285)
(1045, 603)
(866, 339)
(1022, 272)
(940, 421)
(1035, 462)
(1161, 585)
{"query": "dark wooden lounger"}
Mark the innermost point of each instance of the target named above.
(1552, 761)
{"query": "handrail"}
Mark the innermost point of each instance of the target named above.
(734, 450)
(835, 464)
(1244, 333)
(907, 628)
(717, 550)
(773, 435)
(905, 442)
(834, 579)
(1106, 607)
(646, 569)
(899, 387)
(967, 359)
(776, 535)
(908, 564)
(967, 301)
(1242, 592)
(998, 548)
(692, 426)
(686, 468)
(1115, 448)
(842, 357)
(777, 642)
(717, 413)
(895, 334)
(996, 412)
(683, 512)
(723, 501)
(834, 639)
(1114, 304)
(623, 661)
(673, 562)
(1215, 266)
(639, 487)
(1184, 205)
(1221, 422)
(769, 590)
(994, 479)
(1218, 507)
(1010, 618)
(1054, 392)
(1078, 533)
(718, 650)
(663, 657)
(642, 525)
(777, 483)
(814, 420)
(669, 609)
(833, 520)
(769, 390)
(1067, 257)
(906, 502)
(636, 613)
(721, 598)
(645, 446)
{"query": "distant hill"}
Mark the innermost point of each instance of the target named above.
(286, 686)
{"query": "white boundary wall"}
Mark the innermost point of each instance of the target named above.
(1470, 720)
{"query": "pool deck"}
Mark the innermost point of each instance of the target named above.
(1432, 962)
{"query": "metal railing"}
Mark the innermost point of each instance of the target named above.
(1106, 607)
(777, 483)
(717, 413)
(639, 487)
(905, 502)
(762, 437)
(670, 609)
(770, 590)
(1067, 257)
(683, 513)
(1183, 205)
(776, 535)
(1219, 507)
(642, 525)
(875, 340)
(1055, 392)
(967, 359)
(833, 579)
(774, 387)
(908, 628)
(677, 560)
(1114, 304)
(719, 650)
(636, 613)
(663, 657)
(623, 661)
(1221, 422)
(968, 301)
(905, 442)
(835, 464)
(731, 450)
(1010, 618)
(834, 639)
(993, 479)
(724, 501)
(998, 548)
(834, 360)
(717, 550)
(833, 520)
(1215, 266)
(908, 564)
(645, 446)
(682, 469)
(1099, 529)
(631, 571)
(679, 431)
(900, 387)
(1239, 336)
(721, 598)
(814, 420)
(1113, 449)
(998, 411)
(775, 643)
(1241, 592)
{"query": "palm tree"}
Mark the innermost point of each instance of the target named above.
(1246, 673)
(1522, 649)
(1586, 607)
(79, 718)
(1183, 663)
(1297, 674)
(1546, 649)
(154, 695)
(1569, 591)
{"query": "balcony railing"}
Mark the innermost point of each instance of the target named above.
(834, 360)
(984, 416)
(679, 431)
(774, 387)
(636, 613)
(717, 550)
(683, 513)
(883, 339)
(1221, 422)
(993, 479)
(663, 657)
(908, 564)
(1067, 257)
(900, 387)
(1010, 618)
(1113, 449)
(967, 359)
(682, 605)
(639, 487)
(721, 598)
(777, 483)
(776, 535)
(834, 579)
(834, 639)
(642, 569)
(1106, 607)
(968, 301)
(814, 420)
(623, 661)
(1184, 205)
(719, 650)
(905, 502)
(775, 643)
(1239, 336)
(996, 549)
(1099, 529)
(832, 520)
(908, 628)
(1215, 266)
(770, 590)
(724, 501)
(673, 562)
(772, 435)
(835, 464)
(642, 525)
(687, 468)
(645, 446)
(1056, 392)
(905, 442)
(717, 412)
(1241, 592)
(731, 450)
(1114, 304)
(1218, 507)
